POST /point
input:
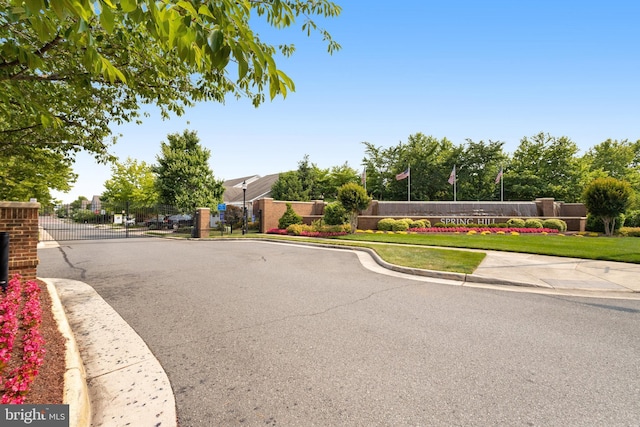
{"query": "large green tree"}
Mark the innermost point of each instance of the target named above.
(289, 187)
(479, 165)
(430, 160)
(33, 173)
(544, 166)
(616, 159)
(131, 181)
(71, 68)
(184, 178)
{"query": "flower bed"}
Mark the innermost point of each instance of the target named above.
(20, 317)
(307, 233)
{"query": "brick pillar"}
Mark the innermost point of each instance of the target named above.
(20, 220)
(202, 222)
(268, 216)
(546, 206)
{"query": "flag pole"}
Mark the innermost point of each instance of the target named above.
(502, 185)
(409, 184)
(455, 183)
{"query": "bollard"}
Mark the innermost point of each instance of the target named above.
(4, 260)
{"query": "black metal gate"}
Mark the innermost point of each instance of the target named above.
(77, 222)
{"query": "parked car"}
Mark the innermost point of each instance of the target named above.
(131, 221)
(157, 223)
(180, 220)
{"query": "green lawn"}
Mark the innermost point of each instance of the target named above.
(625, 249)
(420, 250)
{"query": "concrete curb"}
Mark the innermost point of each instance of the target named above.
(126, 383)
(460, 277)
(76, 393)
(470, 279)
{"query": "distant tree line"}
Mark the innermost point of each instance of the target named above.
(541, 166)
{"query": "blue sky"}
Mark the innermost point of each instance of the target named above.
(485, 70)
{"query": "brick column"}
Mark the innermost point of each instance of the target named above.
(20, 220)
(203, 219)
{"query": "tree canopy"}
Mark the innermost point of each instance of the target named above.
(69, 69)
(131, 181)
(184, 178)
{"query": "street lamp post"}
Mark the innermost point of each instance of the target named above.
(244, 207)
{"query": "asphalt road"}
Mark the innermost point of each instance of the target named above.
(253, 333)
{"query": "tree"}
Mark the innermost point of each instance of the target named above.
(288, 187)
(33, 173)
(70, 69)
(544, 166)
(617, 159)
(184, 178)
(430, 161)
(606, 198)
(478, 167)
(354, 198)
(131, 182)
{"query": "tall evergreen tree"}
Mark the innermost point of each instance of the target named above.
(184, 178)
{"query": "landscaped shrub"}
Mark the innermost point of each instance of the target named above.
(595, 223)
(630, 231)
(533, 223)
(421, 223)
(335, 214)
(632, 219)
(516, 223)
(297, 229)
(289, 217)
(400, 225)
(439, 224)
(386, 224)
(555, 224)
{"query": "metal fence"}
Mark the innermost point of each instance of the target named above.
(72, 222)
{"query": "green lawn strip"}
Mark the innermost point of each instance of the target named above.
(625, 249)
(405, 256)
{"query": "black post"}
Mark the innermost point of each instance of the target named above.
(4, 260)
(244, 207)
(126, 221)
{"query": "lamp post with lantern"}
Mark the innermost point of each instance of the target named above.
(244, 207)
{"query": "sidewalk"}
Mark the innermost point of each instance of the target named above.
(559, 273)
(113, 379)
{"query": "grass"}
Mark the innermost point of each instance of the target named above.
(624, 249)
(421, 250)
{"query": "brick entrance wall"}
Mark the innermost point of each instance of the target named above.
(20, 220)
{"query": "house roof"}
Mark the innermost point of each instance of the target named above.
(257, 188)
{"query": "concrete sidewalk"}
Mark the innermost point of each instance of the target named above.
(115, 380)
(559, 273)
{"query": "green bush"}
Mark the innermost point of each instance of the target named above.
(421, 223)
(595, 223)
(386, 224)
(335, 214)
(632, 219)
(400, 225)
(555, 224)
(439, 224)
(630, 231)
(533, 223)
(297, 229)
(289, 217)
(516, 222)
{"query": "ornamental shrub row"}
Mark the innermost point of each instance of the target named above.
(404, 224)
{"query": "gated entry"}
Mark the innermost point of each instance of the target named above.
(69, 222)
